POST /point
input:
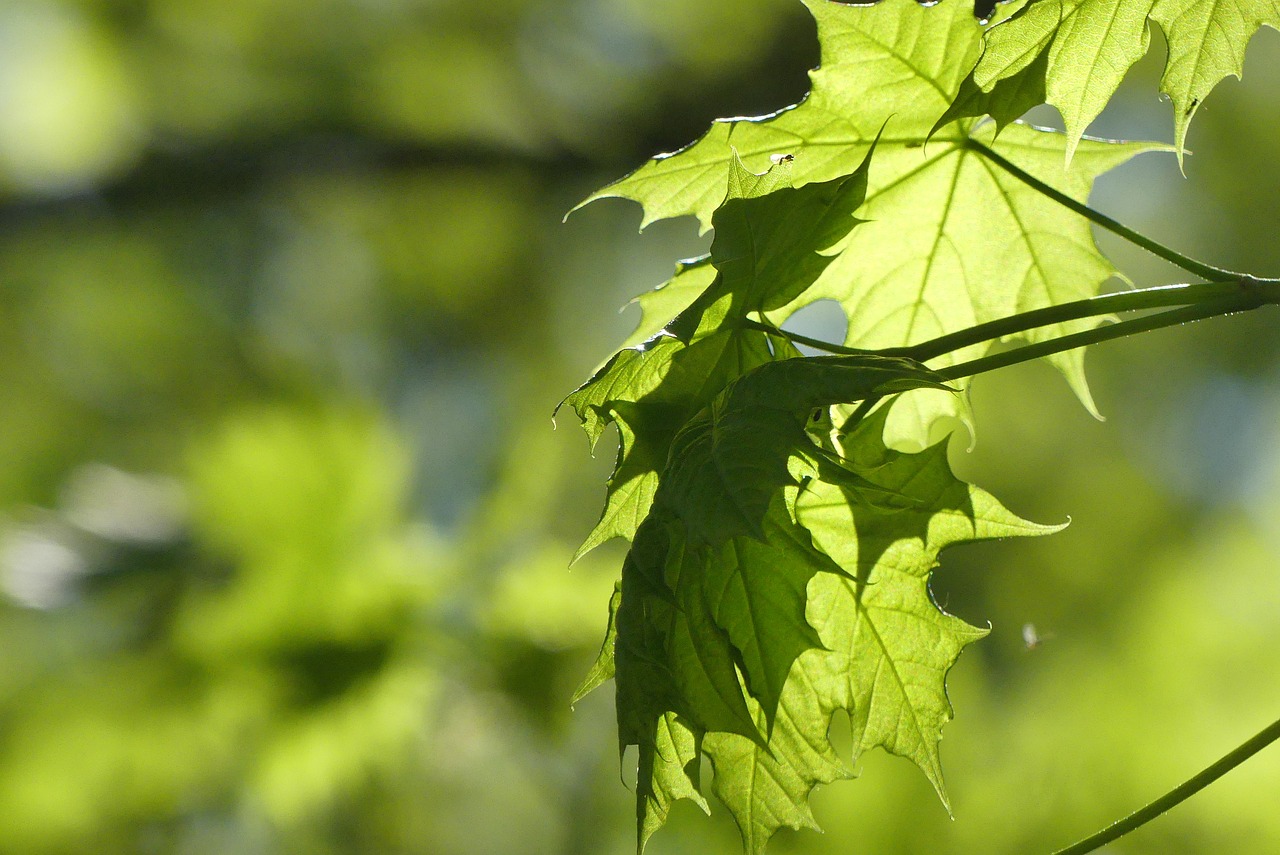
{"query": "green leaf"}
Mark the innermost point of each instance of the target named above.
(659, 305)
(1080, 50)
(650, 391)
(1016, 94)
(725, 467)
(669, 773)
(769, 248)
(602, 669)
(773, 241)
(1207, 41)
(950, 241)
(898, 643)
(764, 592)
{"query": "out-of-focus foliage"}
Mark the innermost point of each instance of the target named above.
(285, 304)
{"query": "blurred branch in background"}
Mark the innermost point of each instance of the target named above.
(285, 305)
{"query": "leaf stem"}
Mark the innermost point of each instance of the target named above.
(1178, 794)
(1159, 320)
(1241, 293)
(1250, 292)
(1199, 268)
(816, 343)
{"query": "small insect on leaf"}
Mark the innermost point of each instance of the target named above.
(775, 159)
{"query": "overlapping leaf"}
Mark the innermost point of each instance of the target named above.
(1076, 52)
(777, 580)
(771, 244)
(951, 240)
(779, 569)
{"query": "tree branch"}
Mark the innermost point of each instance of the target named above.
(1160, 320)
(1177, 795)
(1218, 298)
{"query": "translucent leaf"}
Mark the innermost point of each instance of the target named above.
(1078, 51)
(769, 249)
(950, 240)
(765, 591)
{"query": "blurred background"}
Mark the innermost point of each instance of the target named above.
(285, 306)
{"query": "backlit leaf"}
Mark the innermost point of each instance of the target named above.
(769, 249)
(951, 240)
(1078, 51)
(776, 581)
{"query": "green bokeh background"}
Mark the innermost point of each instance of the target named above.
(285, 305)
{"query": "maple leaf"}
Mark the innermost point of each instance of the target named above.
(951, 240)
(1076, 52)
(659, 305)
(777, 580)
(779, 567)
(772, 242)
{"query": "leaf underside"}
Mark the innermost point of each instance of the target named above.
(776, 582)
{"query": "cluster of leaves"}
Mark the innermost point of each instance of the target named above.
(783, 527)
(1074, 53)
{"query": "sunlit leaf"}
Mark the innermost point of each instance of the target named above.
(770, 247)
(1078, 51)
(776, 581)
(950, 240)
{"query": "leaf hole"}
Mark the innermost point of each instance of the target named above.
(824, 320)
(841, 733)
